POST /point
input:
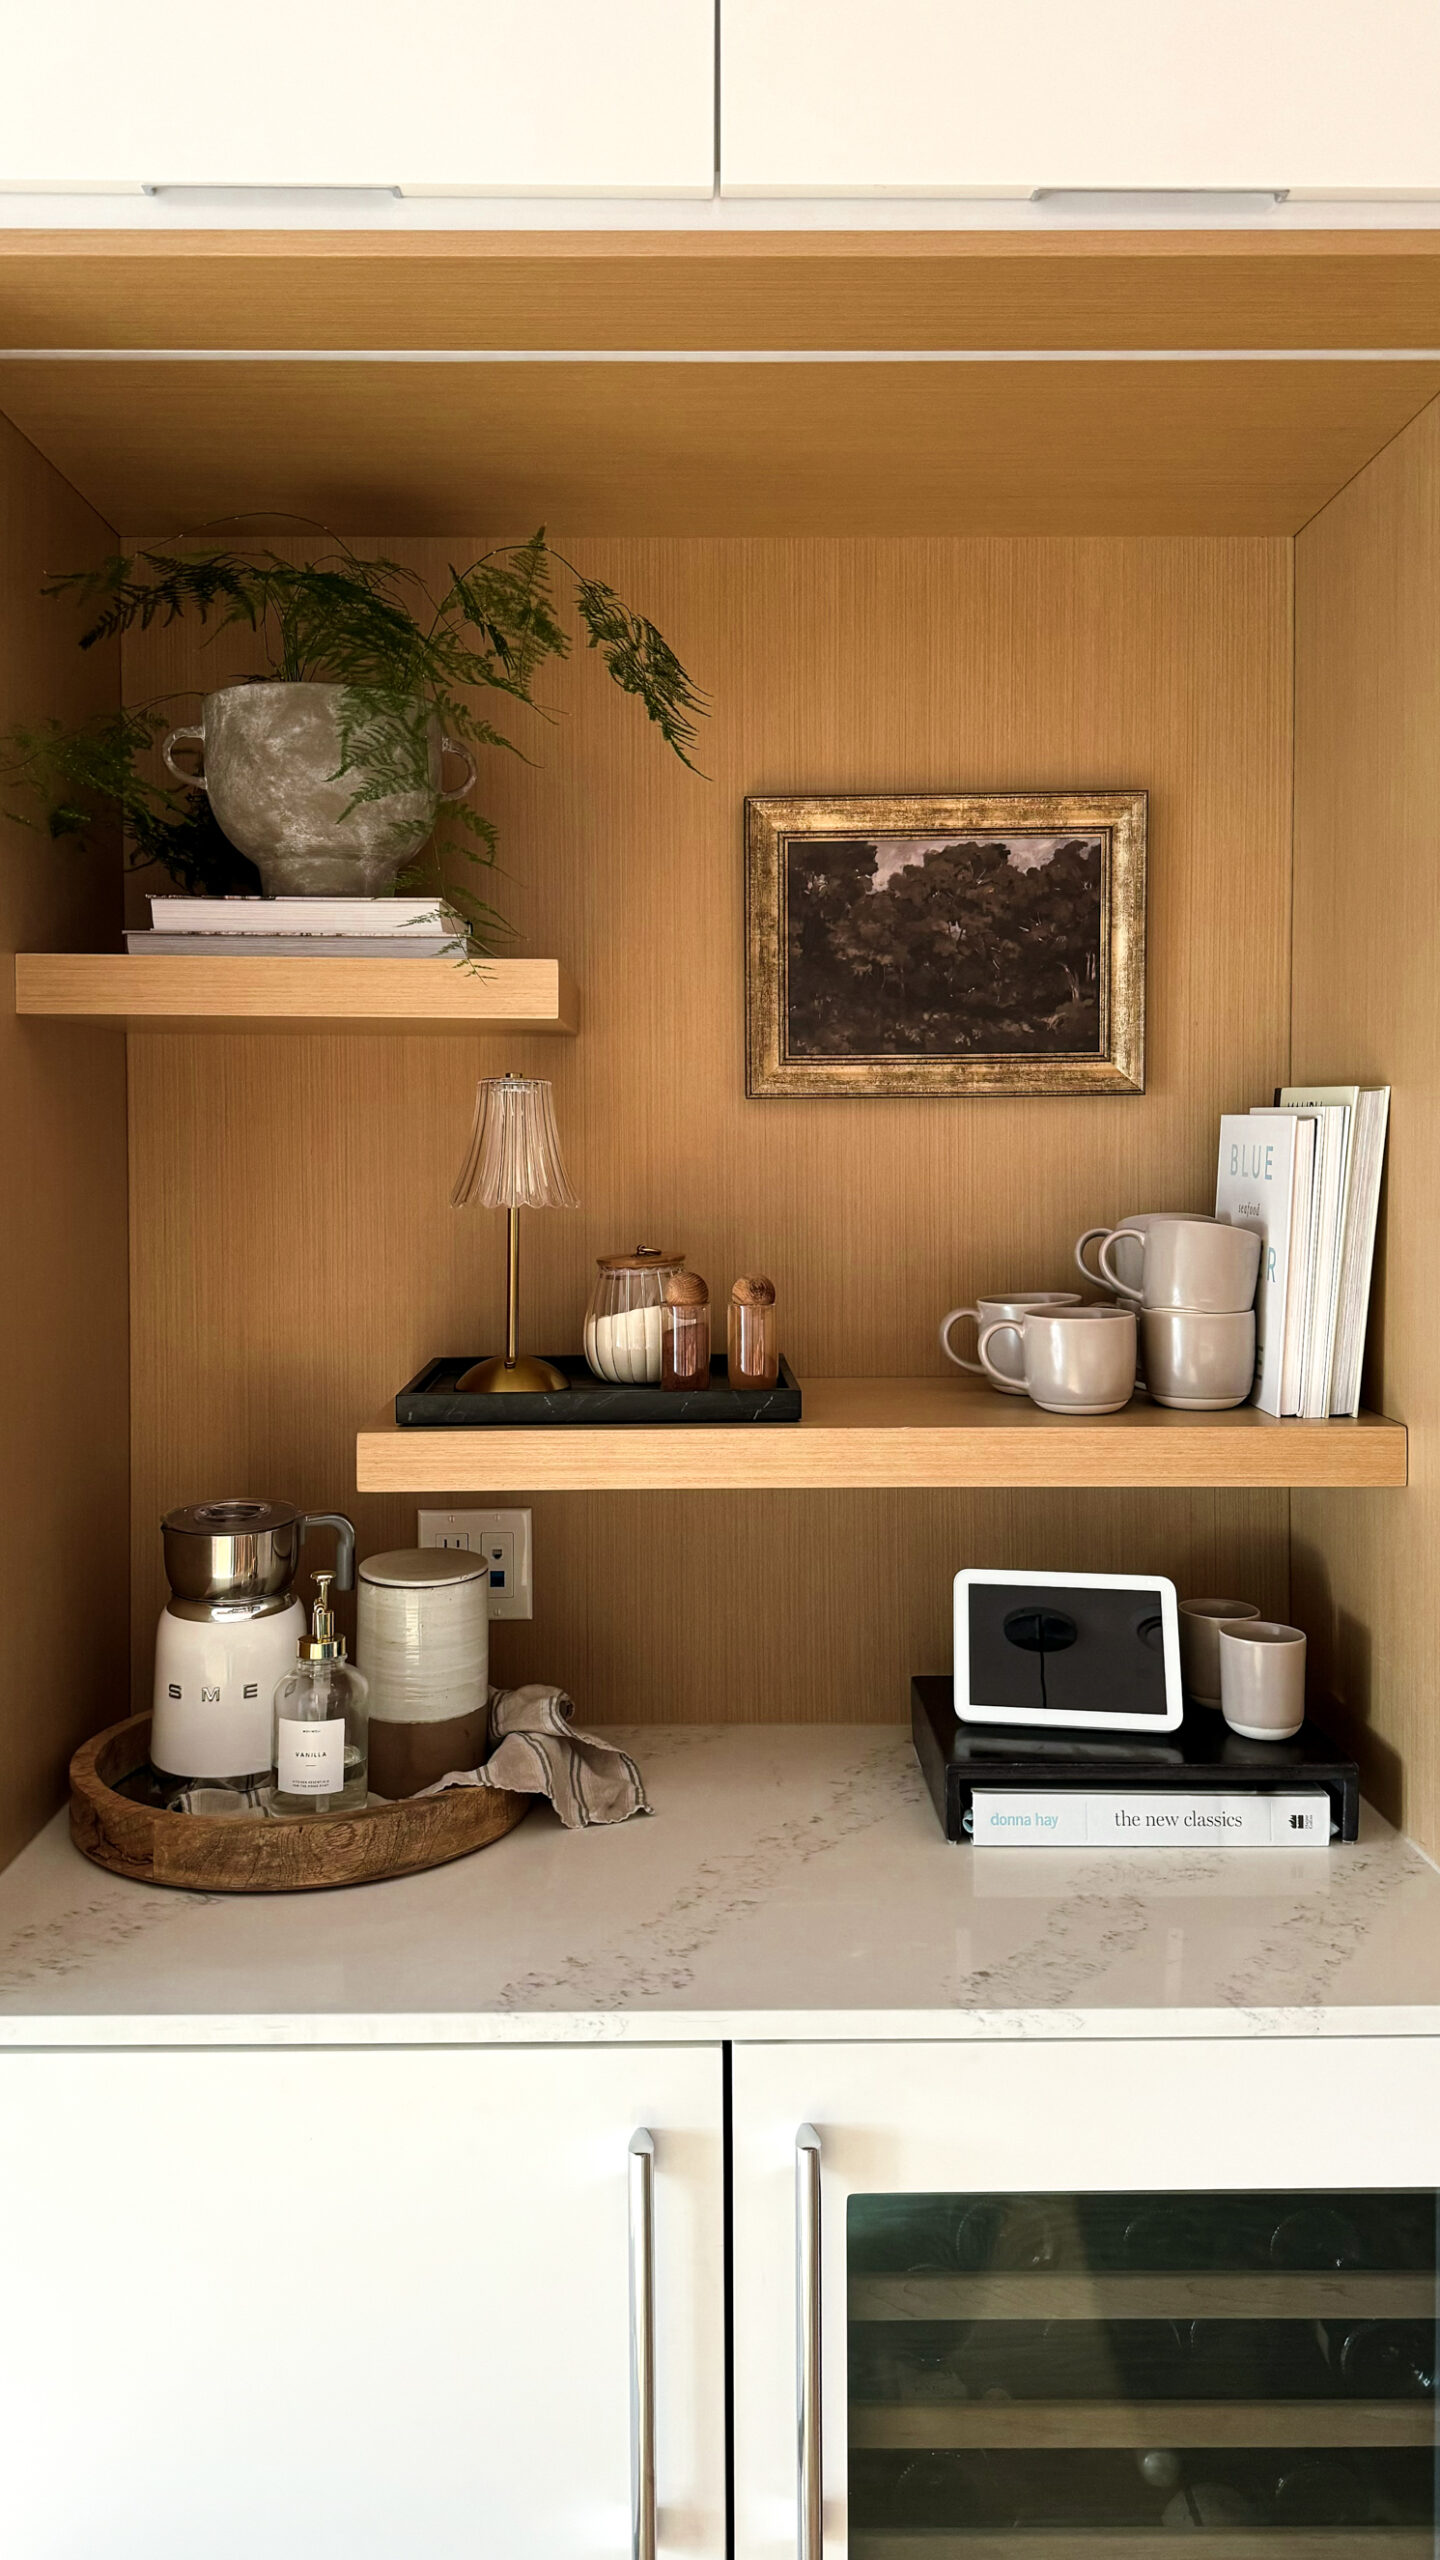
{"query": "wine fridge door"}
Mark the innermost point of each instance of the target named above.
(1028, 2301)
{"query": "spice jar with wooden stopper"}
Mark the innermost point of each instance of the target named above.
(753, 1344)
(685, 1332)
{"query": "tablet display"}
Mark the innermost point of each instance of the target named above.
(1067, 1649)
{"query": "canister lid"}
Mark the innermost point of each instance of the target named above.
(419, 1568)
(646, 1257)
(234, 1519)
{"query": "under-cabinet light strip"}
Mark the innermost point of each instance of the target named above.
(719, 355)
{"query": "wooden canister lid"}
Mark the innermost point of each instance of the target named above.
(646, 1257)
(754, 1293)
(686, 1289)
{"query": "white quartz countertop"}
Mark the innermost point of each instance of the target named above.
(792, 1883)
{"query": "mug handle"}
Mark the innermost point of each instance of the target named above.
(448, 747)
(1081, 1265)
(184, 738)
(953, 1318)
(1001, 1324)
(1113, 1277)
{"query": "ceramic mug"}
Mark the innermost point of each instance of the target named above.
(1262, 1679)
(1200, 1623)
(1198, 1363)
(990, 1311)
(1129, 1256)
(1074, 1359)
(1206, 1266)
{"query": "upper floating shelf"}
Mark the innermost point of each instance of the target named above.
(141, 992)
(890, 1433)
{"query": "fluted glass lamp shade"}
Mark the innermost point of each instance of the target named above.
(514, 1162)
(514, 1159)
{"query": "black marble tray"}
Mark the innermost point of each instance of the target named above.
(432, 1400)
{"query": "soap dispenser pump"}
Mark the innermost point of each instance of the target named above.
(322, 1723)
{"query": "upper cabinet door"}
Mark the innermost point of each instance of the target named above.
(961, 97)
(485, 97)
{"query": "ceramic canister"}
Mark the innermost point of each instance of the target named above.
(423, 1643)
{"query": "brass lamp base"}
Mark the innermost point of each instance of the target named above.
(520, 1377)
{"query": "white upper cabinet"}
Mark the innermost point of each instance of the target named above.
(484, 97)
(1003, 97)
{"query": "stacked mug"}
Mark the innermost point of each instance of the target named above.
(1192, 1281)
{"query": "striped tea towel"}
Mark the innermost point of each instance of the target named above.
(536, 1751)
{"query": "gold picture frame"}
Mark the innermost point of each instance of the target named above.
(821, 968)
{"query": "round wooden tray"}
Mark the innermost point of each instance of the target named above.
(133, 1835)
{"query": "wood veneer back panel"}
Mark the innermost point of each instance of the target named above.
(64, 1413)
(295, 1256)
(1367, 932)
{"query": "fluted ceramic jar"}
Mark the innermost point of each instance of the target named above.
(423, 1643)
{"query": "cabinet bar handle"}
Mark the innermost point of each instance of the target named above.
(807, 2342)
(642, 2346)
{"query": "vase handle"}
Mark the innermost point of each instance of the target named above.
(185, 738)
(447, 748)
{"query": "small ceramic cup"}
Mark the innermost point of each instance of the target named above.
(1129, 1256)
(1077, 1360)
(1200, 1624)
(1262, 1679)
(1204, 1266)
(990, 1311)
(1199, 1363)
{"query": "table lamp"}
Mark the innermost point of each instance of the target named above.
(513, 1162)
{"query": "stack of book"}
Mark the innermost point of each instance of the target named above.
(398, 928)
(1307, 1174)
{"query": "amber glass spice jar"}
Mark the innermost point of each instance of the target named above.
(685, 1332)
(753, 1343)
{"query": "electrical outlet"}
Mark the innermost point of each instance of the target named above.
(501, 1536)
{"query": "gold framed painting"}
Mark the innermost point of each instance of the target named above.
(986, 942)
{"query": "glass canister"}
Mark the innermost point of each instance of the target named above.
(622, 1321)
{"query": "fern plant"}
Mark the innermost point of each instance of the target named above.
(404, 657)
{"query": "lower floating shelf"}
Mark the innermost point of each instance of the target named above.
(889, 1434)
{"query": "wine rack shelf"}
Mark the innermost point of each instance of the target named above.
(1314, 2542)
(1281, 2296)
(1095, 2425)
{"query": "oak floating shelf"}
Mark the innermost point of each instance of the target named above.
(886, 1434)
(144, 992)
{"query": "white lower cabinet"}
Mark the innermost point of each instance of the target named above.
(1051, 2296)
(357, 2305)
(1077, 2297)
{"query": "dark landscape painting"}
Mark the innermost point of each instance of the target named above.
(976, 944)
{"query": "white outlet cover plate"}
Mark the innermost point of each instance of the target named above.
(506, 1536)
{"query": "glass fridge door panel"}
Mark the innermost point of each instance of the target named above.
(1203, 2301)
(1045, 2365)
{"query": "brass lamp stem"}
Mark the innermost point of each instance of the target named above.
(512, 1298)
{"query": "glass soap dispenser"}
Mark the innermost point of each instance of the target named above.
(322, 1723)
